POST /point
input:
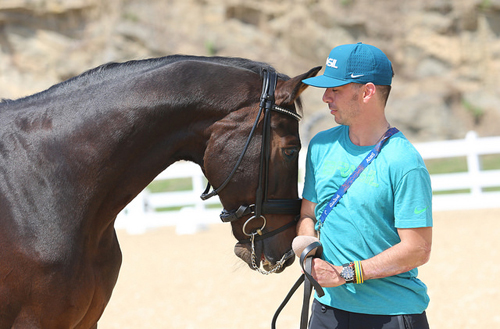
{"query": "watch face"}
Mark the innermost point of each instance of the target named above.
(347, 273)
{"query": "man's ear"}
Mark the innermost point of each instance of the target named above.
(369, 92)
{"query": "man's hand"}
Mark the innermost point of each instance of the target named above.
(327, 275)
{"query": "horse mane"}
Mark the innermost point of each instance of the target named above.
(114, 70)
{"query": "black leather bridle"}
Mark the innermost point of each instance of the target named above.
(262, 204)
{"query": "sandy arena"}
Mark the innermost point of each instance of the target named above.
(195, 281)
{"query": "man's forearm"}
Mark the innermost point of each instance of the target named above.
(307, 221)
(413, 251)
(305, 226)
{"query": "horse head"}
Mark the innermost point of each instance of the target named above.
(252, 157)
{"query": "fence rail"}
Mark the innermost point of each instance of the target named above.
(474, 179)
(194, 215)
(140, 214)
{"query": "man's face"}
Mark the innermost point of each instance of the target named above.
(344, 102)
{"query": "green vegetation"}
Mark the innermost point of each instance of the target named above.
(476, 111)
(170, 185)
(128, 16)
(210, 48)
(485, 5)
(446, 165)
(174, 185)
(490, 161)
(459, 164)
(209, 206)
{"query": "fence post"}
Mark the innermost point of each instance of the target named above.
(135, 214)
(197, 180)
(473, 162)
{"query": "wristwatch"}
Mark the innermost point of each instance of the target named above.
(348, 272)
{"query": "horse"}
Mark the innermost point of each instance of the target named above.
(74, 155)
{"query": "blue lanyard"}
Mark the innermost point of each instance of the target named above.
(369, 158)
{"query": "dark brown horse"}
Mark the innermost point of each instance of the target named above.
(73, 156)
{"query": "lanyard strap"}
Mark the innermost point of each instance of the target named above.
(369, 158)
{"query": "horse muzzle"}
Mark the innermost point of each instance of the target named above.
(255, 256)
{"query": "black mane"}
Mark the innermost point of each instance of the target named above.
(114, 70)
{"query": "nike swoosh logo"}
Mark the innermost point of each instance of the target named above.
(419, 211)
(356, 76)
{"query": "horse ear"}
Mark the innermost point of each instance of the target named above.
(291, 89)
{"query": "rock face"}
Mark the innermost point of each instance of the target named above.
(446, 54)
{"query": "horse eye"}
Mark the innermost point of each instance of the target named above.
(290, 153)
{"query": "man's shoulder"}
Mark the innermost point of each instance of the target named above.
(401, 151)
(400, 143)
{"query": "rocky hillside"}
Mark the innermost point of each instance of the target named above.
(446, 53)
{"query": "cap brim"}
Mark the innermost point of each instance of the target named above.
(323, 81)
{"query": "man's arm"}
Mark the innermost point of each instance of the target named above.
(325, 273)
(305, 225)
(414, 250)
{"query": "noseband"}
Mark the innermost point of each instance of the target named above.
(262, 204)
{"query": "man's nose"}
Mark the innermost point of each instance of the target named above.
(327, 96)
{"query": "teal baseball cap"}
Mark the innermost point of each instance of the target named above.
(358, 63)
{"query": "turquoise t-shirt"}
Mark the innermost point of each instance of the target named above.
(394, 191)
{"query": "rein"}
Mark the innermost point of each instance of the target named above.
(306, 258)
(262, 204)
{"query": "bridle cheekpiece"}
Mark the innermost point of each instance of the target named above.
(262, 204)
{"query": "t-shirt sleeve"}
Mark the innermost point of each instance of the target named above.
(413, 200)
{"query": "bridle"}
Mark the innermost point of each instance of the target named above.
(262, 204)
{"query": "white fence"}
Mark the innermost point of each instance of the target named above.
(139, 215)
(475, 179)
(195, 214)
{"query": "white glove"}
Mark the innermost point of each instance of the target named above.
(301, 242)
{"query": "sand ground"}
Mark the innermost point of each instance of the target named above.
(195, 281)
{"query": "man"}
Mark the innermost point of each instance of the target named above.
(380, 231)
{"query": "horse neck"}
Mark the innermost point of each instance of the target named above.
(101, 151)
(135, 143)
(104, 148)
